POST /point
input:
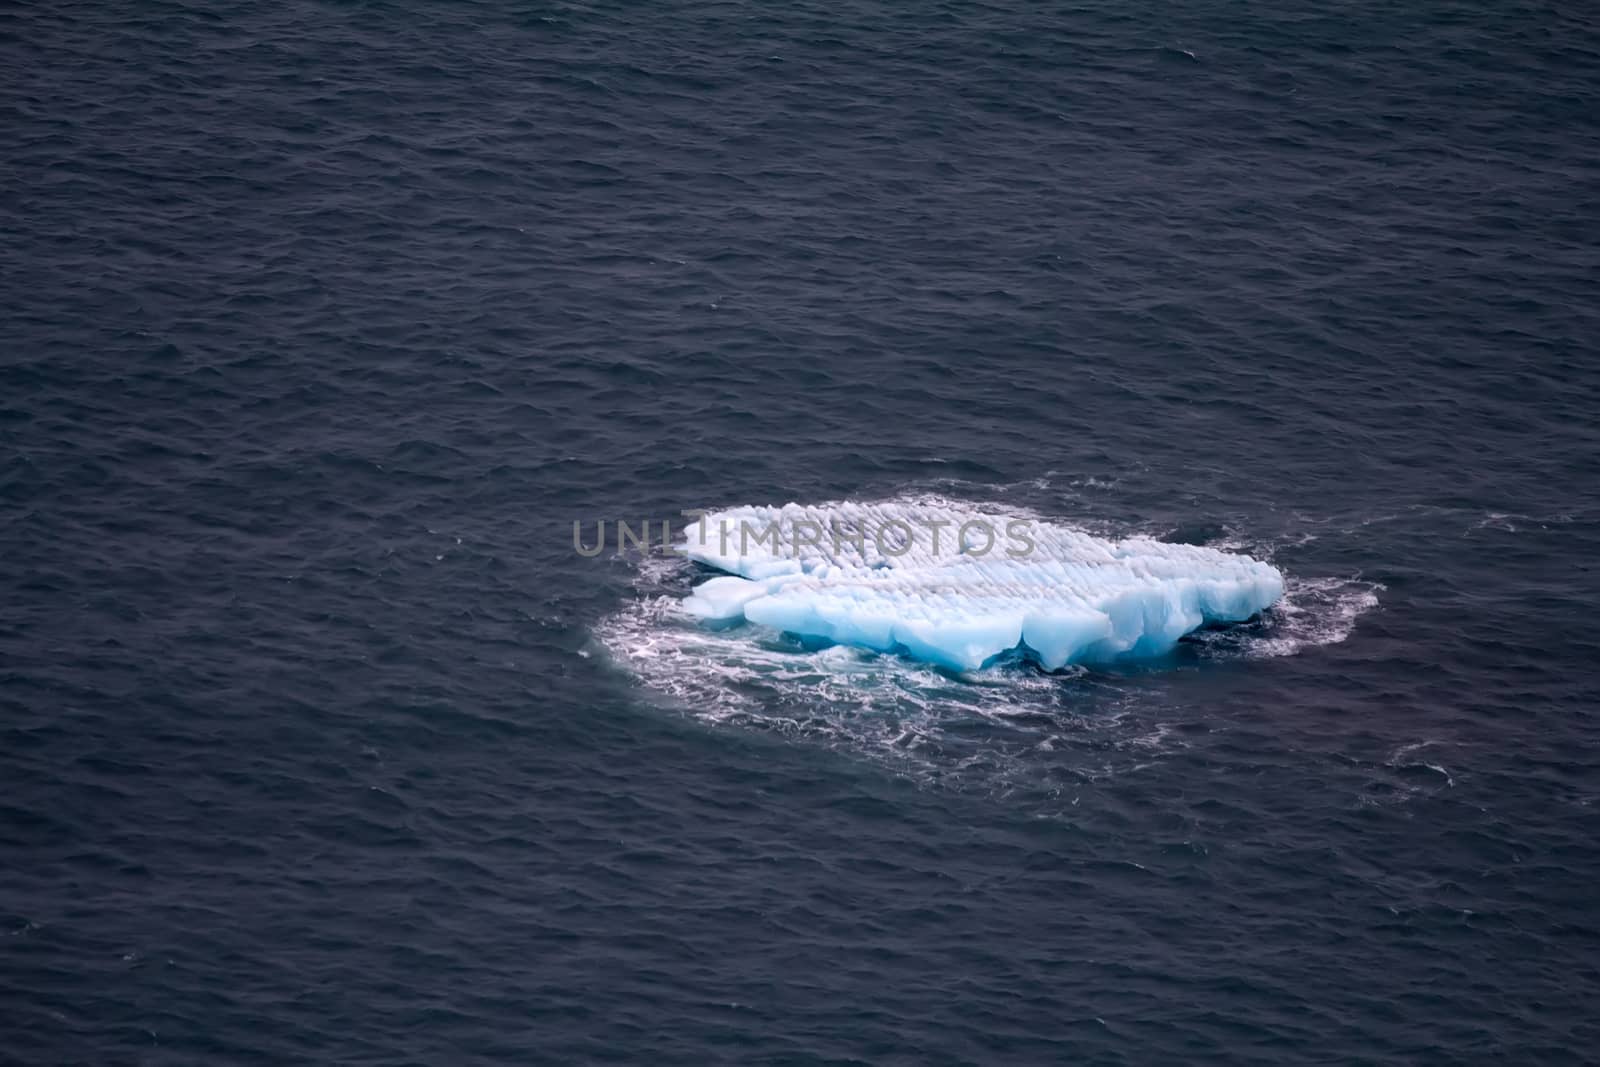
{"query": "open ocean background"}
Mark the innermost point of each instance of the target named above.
(320, 323)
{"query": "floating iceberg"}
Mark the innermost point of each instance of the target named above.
(957, 587)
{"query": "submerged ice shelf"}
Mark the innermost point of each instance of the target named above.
(957, 587)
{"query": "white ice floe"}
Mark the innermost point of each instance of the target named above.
(957, 586)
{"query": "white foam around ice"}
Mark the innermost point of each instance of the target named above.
(958, 587)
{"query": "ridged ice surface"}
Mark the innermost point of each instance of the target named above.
(959, 587)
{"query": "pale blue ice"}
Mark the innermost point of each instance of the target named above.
(958, 586)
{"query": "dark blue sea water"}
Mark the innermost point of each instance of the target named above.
(320, 324)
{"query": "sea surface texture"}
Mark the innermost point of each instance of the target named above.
(322, 323)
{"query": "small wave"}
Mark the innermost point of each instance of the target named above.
(1406, 758)
(1313, 612)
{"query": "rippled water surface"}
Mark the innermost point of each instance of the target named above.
(320, 324)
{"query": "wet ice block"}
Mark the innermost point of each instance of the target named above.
(958, 587)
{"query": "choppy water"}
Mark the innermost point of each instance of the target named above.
(320, 324)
